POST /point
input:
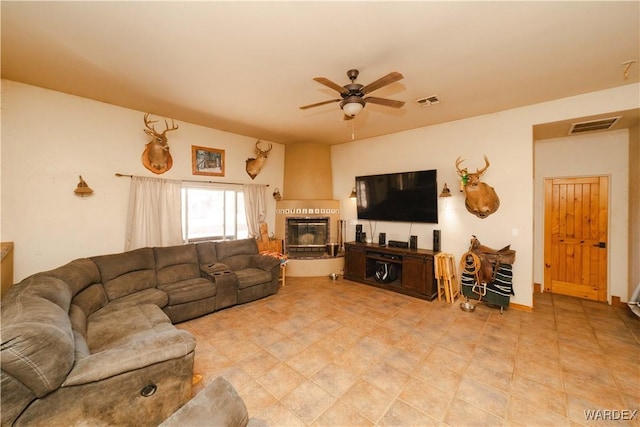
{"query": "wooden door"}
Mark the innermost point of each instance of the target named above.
(575, 236)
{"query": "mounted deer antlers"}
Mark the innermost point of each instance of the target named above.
(156, 156)
(481, 199)
(254, 165)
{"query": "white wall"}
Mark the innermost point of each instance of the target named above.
(49, 138)
(506, 138)
(634, 208)
(595, 154)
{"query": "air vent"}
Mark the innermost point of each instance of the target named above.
(593, 125)
(428, 100)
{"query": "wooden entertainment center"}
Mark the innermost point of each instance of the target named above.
(414, 272)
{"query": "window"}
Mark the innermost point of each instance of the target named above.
(213, 213)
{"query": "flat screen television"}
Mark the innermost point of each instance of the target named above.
(404, 196)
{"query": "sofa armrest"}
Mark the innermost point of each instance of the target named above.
(146, 349)
(264, 262)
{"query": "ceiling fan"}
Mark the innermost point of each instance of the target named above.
(353, 98)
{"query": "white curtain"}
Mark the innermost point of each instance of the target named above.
(154, 216)
(255, 205)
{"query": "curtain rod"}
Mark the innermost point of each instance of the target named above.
(120, 175)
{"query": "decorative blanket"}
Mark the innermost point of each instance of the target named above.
(501, 285)
(282, 257)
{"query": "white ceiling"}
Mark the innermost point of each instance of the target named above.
(247, 67)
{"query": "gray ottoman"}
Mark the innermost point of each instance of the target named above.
(217, 405)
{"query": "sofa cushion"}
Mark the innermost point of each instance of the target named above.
(91, 299)
(146, 296)
(111, 328)
(189, 290)
(14, 397)
(78, 274)
(82, 349)
(128, 272)
(231, 248)
(206, 252)
(50, 288)
(238, 262)
(251, 277)
(190, 310)
(37, 342)
(127, 339)
(176, 263)
(78, 319)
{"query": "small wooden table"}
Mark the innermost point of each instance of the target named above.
(283, 271)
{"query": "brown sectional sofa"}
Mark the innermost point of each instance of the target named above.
(92, 342)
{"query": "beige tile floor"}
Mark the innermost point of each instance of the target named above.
(339, 353)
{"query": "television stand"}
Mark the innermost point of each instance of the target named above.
(404, 270)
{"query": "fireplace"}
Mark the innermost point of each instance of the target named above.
(306, 227)
(306, 236)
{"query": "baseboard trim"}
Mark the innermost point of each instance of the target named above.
(615, 302)
(521, 307)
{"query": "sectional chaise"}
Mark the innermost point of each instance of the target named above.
(93, 342)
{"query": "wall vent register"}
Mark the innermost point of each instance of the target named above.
(593, 125)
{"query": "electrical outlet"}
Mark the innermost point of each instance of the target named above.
(515, 232)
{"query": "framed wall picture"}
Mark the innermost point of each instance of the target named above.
(207, 161)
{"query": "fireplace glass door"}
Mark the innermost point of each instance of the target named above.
(307, 236)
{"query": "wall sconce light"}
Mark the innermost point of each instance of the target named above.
(353, 195)
(276, 195)
(83, 190)
(445, 191)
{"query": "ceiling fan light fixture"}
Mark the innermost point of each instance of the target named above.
(352, 106)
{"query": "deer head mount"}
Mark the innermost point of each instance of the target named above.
(254, 165)
(480, 198)
(156, 156)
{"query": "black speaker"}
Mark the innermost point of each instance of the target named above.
(436, 240)
(382, 239)
(386, 272)
(398, 244)
(358, 232)
(413, 242)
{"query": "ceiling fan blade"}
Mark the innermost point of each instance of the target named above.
(319, 104)
(392, 77)
(330, 84)
(383, 101)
